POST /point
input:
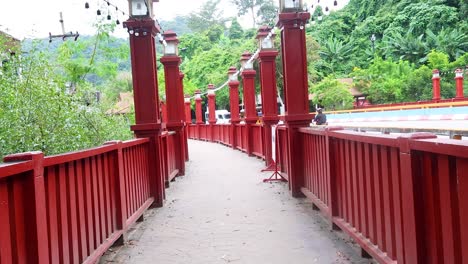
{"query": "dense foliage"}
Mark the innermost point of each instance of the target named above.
(397, 65)
(52, 105)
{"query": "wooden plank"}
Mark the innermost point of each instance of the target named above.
(95, 206)
(72, 216)
(53, 204)
(349, 185)
(396, 191)
(378, 184)
(342, 186)
(355, 186)
(80, 198)
(101, 205)
(360, 171)
(89, 206)
(6, 254)
(63, 214)
(432, 213)
(447, 209)
(370, 188)
(388, 205)
(107, 188)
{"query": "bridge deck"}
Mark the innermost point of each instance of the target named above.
(222, 212)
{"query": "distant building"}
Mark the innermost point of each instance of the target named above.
(360, 99)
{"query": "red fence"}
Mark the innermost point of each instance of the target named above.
(281, 154)
(71, 208)
(401, 199)
(257, 141)
(169, 166)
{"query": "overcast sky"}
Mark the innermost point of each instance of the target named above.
(36, 18)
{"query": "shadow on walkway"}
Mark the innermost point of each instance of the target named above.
(222, 212)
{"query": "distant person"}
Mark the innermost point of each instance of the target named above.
(320, 118)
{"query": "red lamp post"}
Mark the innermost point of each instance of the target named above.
(459, 83)
(142, 30)
(188, 109)
(182, 103)
(435, 85)
(211, 109)
(174, 97)
(292, 21)
(267, 61)
(198, 107)
(234, 104)
(248, 83)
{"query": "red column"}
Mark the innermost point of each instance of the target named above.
(293, 48)
(188, 110)
(198, 107)
(248, 83)
(234, 104)
(188, 122)
(185, 128)
(267, 62)
(145, 92)
(198, 112)
(435, 85)
(459, 83)
(211, 110)
(174, 99)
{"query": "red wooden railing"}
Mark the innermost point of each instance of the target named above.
(402, 199)
(281, 154)
(257, 143)
(71, 208)
(169, 166)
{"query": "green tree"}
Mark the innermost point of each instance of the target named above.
(453, 42)
(332, 94)
(235, 31)
(383, 81)
(207, 16)
(261, 10)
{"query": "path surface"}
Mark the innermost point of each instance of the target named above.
(222, 212)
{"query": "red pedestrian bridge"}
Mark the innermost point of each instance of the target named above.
(402, 199)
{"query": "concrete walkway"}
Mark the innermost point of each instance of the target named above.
(222, 212)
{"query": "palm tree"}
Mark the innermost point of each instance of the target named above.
(452, 42)
(336, 54)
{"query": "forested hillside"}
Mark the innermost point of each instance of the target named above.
(411, 38)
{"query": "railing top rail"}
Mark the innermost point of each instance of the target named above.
(379, 139)
(450, 147)
(9, 169)
(82, 154)
(134, 142)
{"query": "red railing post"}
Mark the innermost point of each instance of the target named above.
(435, 85)
(36, 238)
(267, 62)
(188, 122)
(185, 126)
(296, 92)
(411, 239)
(332, 155)
(234, 104)
(145, 90)
(248, 77)
(174, 97)
(459, 83)
(211, 112)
